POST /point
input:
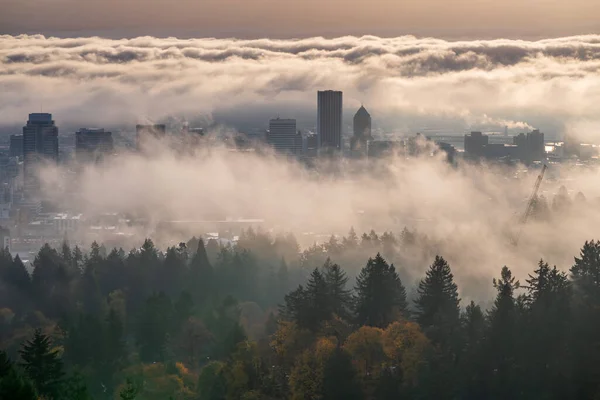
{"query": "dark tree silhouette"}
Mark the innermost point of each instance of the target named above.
(42, 365)
(380, 295)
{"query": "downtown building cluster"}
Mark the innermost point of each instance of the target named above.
(22, 206)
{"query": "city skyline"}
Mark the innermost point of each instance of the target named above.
(411, 84)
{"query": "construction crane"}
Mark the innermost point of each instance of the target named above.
(530, 205)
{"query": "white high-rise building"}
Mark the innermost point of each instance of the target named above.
(282, 135)
(329, 119)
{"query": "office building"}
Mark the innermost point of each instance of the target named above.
(362, 132)
(282, 135)
(530, 146)
(475, 145)
(329, 120)
(92, 144)
(16, 146)
(145, 132)
(40, 143)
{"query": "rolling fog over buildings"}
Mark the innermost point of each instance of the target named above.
(409, 83)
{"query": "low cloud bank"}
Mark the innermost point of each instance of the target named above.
(406, 82)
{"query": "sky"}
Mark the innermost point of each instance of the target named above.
(531, 19)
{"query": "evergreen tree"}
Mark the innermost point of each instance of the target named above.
(380, 295)
(586, 272)
(17, 294)
(473, 361)
(437, 311)
(319, 307)
(548, 358)
(201, 275)
(502, 346)
(585, 336)
(437, 303)
(340, 298)
(50, 283)
(294, 305)
(172, 273)
(42, 365)
(350, 242)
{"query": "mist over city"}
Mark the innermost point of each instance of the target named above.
(213, 208)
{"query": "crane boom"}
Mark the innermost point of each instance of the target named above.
(530, 204)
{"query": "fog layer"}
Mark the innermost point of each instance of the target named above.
(468, 213)
(407, 83)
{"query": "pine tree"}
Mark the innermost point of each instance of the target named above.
(503, 347)
(350, 242)
(586, 272)
(548, 358)
(585, 336)
(437, 303)
(380, 295)
(42, 365)
(18, 285)
(293, 305)
(340, 298)
(472, 362)
(437, 311)
(319, 308)
(201, 275)
(172, 273)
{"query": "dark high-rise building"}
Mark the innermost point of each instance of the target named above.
(537, 147)
(329, 119)
(475, 144)
(530, 146)
(16, 146)
(362, 131)
(92, 144)
(40, 142)
(144, 132)
(282, 135)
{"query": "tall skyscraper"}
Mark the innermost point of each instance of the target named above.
(329, 119)
(40, 142)
(362, 131)
(144, 132)
(92, 144)
(282, 135)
